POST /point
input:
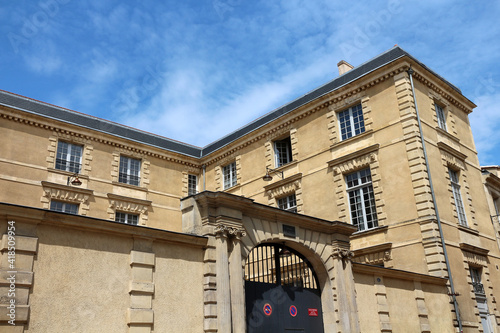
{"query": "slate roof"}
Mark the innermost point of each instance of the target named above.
(80, 119)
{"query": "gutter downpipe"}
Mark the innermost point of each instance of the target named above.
(452, 287)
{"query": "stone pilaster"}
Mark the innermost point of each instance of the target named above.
(423, 314)
(223, 291)
(237, 284)
(345, 289)
(140, 315)
(382, 306)
(16, 277)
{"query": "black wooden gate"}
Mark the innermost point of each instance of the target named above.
(282, 292)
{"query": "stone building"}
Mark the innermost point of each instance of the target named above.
(358, 207)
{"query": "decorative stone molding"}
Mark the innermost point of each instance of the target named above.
(53, 191)
(284, 187)
(280, 134)
(128, 205)
(453, 157)
(379, 255)
(222, 230)
(343, 254)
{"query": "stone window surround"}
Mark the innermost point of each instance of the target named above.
(363, 158)
(448, 115)
(455, 160)
(72, 139)
(342, 105)
(285, 187)
(269, 145)
(66, 193)
(219, 177)
(128, 205)
(144, 172)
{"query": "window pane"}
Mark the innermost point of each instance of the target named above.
(362, 199)
(63, 207)
(440, 117)
(192, 184)
(229, 174)
(68, 157)
(129, 172)
(283, 151)
(351, 122)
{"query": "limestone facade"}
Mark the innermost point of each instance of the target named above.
(198, 212)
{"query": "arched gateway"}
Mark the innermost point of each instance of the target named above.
(282, 291)
(269, 270)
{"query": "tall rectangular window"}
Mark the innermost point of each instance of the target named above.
(440, 117)
(126, 218)
(475, 275)
(457, 196)
(192, 184)
(351, 122)
(64, 207)
(69, 157)
(229, 173)
(130, 171)
(288, 203)
(283, 151)
(361, 199)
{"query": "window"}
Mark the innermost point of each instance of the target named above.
(126, 218)
(475, 275)
(351, 122)
(69, 157)
(440, 116)
(283, 151)
(130, 171)
(361, 199)
(288, 203)
(229, 172)
(192, 184)
(64, 207)
(455, 187)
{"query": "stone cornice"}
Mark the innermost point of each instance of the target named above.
(452, 151)
(373, 249)
(398, 274)
(89, 224)
(100, 138)
(282, 182)
(354, 155)
(116, 197)
(430, 84)
(474, 249)
(209, 202)
(331, 98)
(67, 188)
(492, 181)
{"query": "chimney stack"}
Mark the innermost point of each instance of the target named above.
(344, 67)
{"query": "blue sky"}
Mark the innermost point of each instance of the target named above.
(195, 71)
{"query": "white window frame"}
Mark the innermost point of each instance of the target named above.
(192, 184)
(457, 197)
(288, 203)
(69, 157)
(127, 218)
(64, 207)
(129, 171)
(349, 120)
(360, 194)
(282, 152)
(441, 117)
(229, 175)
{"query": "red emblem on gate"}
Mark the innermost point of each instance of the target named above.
(312, 312)
(293, 310)
(267, 309)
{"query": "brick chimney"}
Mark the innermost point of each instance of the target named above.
(344, 67)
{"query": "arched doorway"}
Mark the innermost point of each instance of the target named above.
(282, 291)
